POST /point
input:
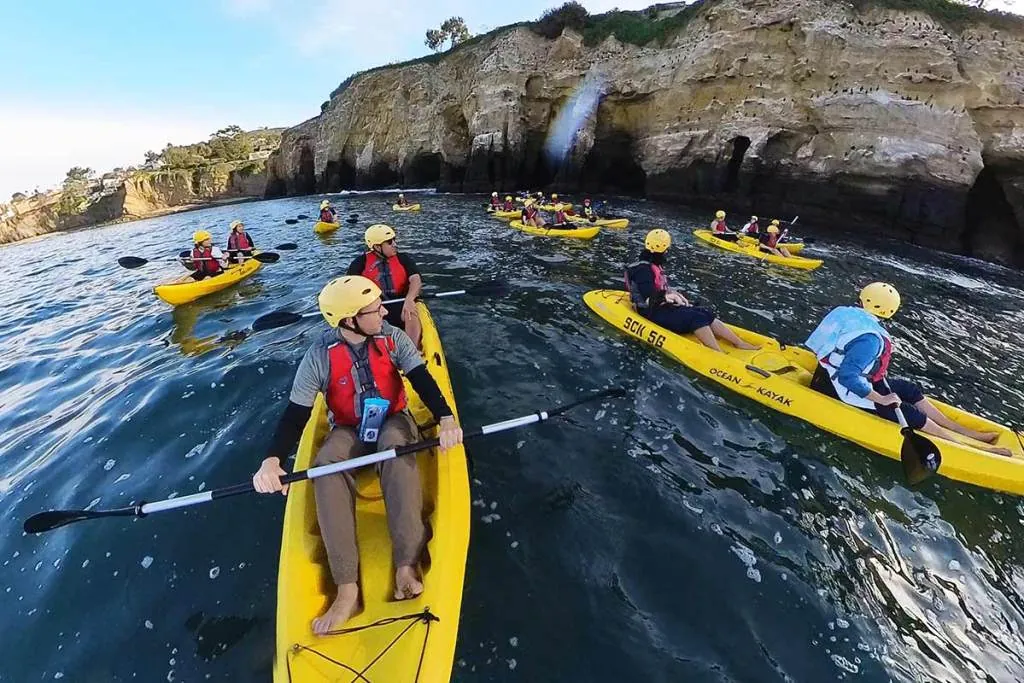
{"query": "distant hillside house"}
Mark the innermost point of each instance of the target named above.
(257, 156)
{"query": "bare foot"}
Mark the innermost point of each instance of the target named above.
(747, 347)
(999, 450)
(340, 610)
(407, 584)
(985, 437)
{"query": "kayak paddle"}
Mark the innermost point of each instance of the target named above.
(54, 519)
(920, 456)
(136, 261)
(277, 319)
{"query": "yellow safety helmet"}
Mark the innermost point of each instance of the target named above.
(720, 215)
(775, 221)
(324, 204)
(508, 198)
(345, 296)
(237, 224)
(880, 299)
(378, 234)
(530, 202)
(773, 229)
(657, 241)
(494, 194)
(554, 196)
(201, 236)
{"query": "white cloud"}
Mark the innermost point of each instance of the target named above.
(41, 143)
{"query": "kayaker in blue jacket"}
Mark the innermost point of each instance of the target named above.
(854, 350)
(662, 305)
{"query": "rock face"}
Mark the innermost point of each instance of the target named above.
(142, 194)
(866, 119)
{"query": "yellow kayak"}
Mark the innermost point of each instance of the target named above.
(409, 207)
(551, 207)
(184, 289)
(611, 223)
(426, 651)
(506, 214)
(323, 228)
(778, 377)
(791, 247)
(577, 233)
(791, 262)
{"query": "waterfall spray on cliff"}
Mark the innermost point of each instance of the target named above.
(580, 106)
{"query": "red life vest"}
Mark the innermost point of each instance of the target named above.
(720, 226)
(770, 239)
(660, 281)
(529, 214)
(560, 218)
(883, 361)
(341, 386)
(509, 206)
(204, 261)
(389, 274)
(326, 216)
(495, 203)
(239, 241)
(753, 229)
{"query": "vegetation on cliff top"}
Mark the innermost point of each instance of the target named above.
(230, 143)
(659, 23)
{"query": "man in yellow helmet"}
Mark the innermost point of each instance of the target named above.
(662, 305)
(720, 230)
(206, 260)
(357, 365)
(768, 242)
(396, 274)
(854, 350)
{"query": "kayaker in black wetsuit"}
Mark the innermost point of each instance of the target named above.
(768, 242)
(853, 352)
(240, 243)
(397, 276)
(206, 260)
(662, 305)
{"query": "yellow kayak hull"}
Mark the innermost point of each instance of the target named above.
(610, 223)
(410, 207)
(322, 228)
(791, 247)
(184, 289)
(778, 376)
(551, 207)
(754, 252)
(573, 233)
(505, 214)
(305, 588)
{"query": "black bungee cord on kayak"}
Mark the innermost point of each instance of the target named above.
(426, 617)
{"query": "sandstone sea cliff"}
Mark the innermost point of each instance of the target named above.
(868, 116)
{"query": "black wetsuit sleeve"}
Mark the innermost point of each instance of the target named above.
(358, 266)
(429, 392)
(289, 429)
(408, 264)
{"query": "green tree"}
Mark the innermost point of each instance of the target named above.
(453, 29)
(75, 190)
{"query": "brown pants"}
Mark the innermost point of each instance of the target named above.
(403, 498)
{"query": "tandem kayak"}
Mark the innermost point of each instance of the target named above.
(505, 214)
(410, 207)
(576, 233)
(424, 629)
(185, 289)
(611, 223)
(753, 251)
(322, 228)
(791, 247)
(778, 376)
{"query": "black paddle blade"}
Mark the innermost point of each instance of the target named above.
(131, 261)
(302, 217)
(920, 457)
(287, 246)
(351, 220)
(54, 519)
(267, 257)
(274, 320)
(291, 221)
(184, 254)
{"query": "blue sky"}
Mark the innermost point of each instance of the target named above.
(99, 83)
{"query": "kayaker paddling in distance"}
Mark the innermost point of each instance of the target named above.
(206, 260)
(240, 243)
(356, 365)
(396, 274)
(402, 201)
(509, 205)
(853, 352)
(720, 230)
(655, 300)
(495, 204)
(327, 213)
